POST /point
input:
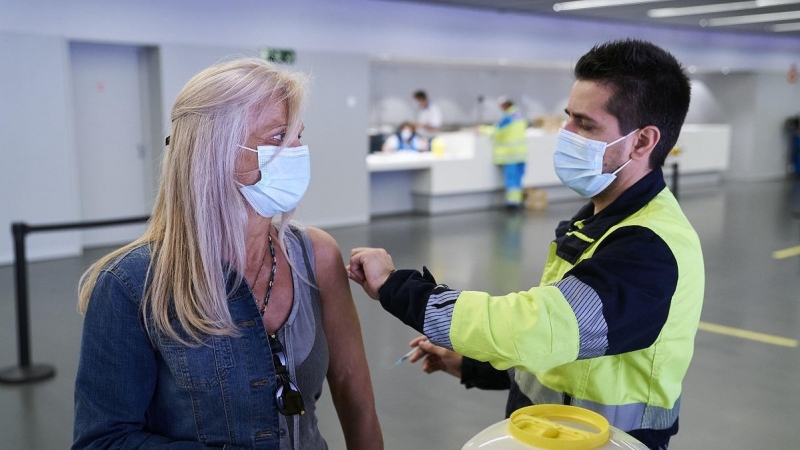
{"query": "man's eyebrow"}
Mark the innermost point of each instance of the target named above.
(579, 116)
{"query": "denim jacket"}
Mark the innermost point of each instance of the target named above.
(131, 392)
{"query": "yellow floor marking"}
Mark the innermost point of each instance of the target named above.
(744, 334)
(786, 253)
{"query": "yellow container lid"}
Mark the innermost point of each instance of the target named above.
(543, 426)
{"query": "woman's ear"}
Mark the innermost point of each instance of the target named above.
(646, 140)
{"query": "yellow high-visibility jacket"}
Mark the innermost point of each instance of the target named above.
(611, 325)
(510, 142)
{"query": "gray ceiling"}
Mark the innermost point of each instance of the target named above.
(638, 13)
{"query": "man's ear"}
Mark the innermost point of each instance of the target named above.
(646, 140)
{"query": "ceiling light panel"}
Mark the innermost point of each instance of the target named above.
(588, 4)
(661, 13)
(784, 27)
(766, 3)
(753, 18)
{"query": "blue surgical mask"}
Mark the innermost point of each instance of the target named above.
(406, 134)
(578, 162)
(285, 175)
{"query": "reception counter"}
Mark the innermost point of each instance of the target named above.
(462, 176)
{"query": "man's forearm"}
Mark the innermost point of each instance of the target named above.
(405, 295)
(420, 303)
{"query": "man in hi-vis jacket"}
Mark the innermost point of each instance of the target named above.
(611, 324)
(509, 149)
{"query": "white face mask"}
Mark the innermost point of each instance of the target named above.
(284, 179)
(405, 134)
(579, 163)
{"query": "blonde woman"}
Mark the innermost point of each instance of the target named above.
(217, 328)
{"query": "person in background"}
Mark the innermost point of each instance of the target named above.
(611, 324)
(217, 328)
(406, 139)
(510, 149)
(429, 117)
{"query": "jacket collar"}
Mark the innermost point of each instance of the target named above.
(574, 236)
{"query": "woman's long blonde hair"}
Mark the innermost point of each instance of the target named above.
(198, 223)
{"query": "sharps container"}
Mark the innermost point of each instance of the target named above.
(553, 427)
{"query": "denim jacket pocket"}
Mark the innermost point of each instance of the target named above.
(201, 367)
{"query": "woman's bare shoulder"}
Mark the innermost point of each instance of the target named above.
(326, 249)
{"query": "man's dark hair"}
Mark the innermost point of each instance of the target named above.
(420, 95)
(649, 88)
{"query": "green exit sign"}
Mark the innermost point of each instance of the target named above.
(278, 55)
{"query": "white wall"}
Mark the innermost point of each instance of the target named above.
(38, 162)
(39, 156)
(756, 106)
(705, 107)
(335, 121)
(733, 102)
(776, 99)
(456, 89)
(536, 91)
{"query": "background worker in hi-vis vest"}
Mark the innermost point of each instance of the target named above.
(611, 324)
(510, 149)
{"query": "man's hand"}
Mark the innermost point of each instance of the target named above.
(435, 357)
(370, 267)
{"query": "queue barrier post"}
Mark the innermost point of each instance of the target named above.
(25, 371)
(675, 180)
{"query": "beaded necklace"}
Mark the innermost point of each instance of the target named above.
(271, 275)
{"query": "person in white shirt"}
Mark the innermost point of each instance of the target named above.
(429, 117)
(406, 139)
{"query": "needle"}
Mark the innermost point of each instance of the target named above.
(405, 357)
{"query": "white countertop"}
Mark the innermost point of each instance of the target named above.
(386, 162)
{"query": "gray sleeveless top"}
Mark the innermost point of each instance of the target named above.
(304, 340)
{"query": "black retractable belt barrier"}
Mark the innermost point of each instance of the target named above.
(675, 180)
(25, 372)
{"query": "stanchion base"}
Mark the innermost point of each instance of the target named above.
(29, 374)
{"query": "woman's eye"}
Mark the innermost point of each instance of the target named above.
(278, 137)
